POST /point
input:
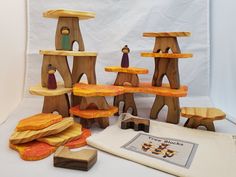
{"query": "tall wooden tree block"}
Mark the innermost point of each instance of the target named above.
(127, 78)
(65, 40)
(98, 101)
(128, 99)
(61, 64)
(172, 103)
(83, 65)
(58, 103)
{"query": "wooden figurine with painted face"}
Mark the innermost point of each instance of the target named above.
(65, 38)
(52, 83)
(125, 57)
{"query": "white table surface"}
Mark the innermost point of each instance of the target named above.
(11, 165)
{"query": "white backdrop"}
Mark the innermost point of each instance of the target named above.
(122, 22)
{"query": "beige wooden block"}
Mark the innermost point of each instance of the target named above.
(68, 53)
(167, 34)
(71, 133)
(26, 136)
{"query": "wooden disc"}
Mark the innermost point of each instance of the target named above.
(67, 53)
(167, 55)
(167, 34)
(130, 70)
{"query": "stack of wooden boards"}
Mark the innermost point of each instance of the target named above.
(38, 136)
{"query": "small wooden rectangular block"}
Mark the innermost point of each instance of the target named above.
(80, 160)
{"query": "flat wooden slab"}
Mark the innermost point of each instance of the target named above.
(29, 135)
(167, 34)
(71, 133)
(67, 53)
(38, 121)
(165, 90)
(166, 55)
(204, 113)
(93, 113)
(82, 15)
(88, 90)
(129, 70)
(43, 91)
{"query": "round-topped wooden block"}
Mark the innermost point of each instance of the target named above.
(82, 15)
(130, 70)
(164, 90)
(167, 34)
(89, 90)
(93, 113)
(43, 91)
(68, 53)
(167, 55)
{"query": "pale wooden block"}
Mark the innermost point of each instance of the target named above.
(68, 53)
(166, 34)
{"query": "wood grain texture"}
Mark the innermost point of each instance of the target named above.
(71, 133)
(80, 160)
(130, 70)
(61, 64)
(29, 135)
(127, 79)
(43, 91)
(96, 101)
(167, 55)
(89, 90)
(93, 113)
(38, 122)
(82, 15)
(59, 104)
(167, 34)
(68, 53)
(172, 103)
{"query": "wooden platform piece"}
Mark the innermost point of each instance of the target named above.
(29, 135)
(136, 123)
(43, 91)
(68, 53)
(71, 133)
(38, 122)
(167, 55)
(166, 34)
(198, 116)
(130, 70)
(61, 64)
(172, 103)
(80, 160)
(82, 15)
(89, 90)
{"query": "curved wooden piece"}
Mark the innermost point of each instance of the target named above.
(99, 101)
(58, 103)
(173, 114)
(72, 24)
(129, 70)
(90, 90)
(123, 78)
(68, 53)
(82, 15)
(167, 55)
(61, 64)
(195, 122)
(167, 34)
(128, 99)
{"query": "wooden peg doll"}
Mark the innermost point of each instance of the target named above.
(52, 83)
(65, 40)
(125, 57)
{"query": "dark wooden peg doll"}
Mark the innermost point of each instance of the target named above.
(52, 83)
(125, 57)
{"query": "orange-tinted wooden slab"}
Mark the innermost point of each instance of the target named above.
(205, 113)
(165, 90)
(80, 142)
(29, 135)
(93, 113)
(167, 34)
(88, 90)
(167, 55)
(38, 121)
(129, 70)
(33, 150)
(68, 53)
(68, 13)
(71, 133)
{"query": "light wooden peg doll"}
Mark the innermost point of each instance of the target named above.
(52, 83)
(125, 57)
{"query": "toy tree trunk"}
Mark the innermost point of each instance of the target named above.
(52, 84)
(125, 60)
